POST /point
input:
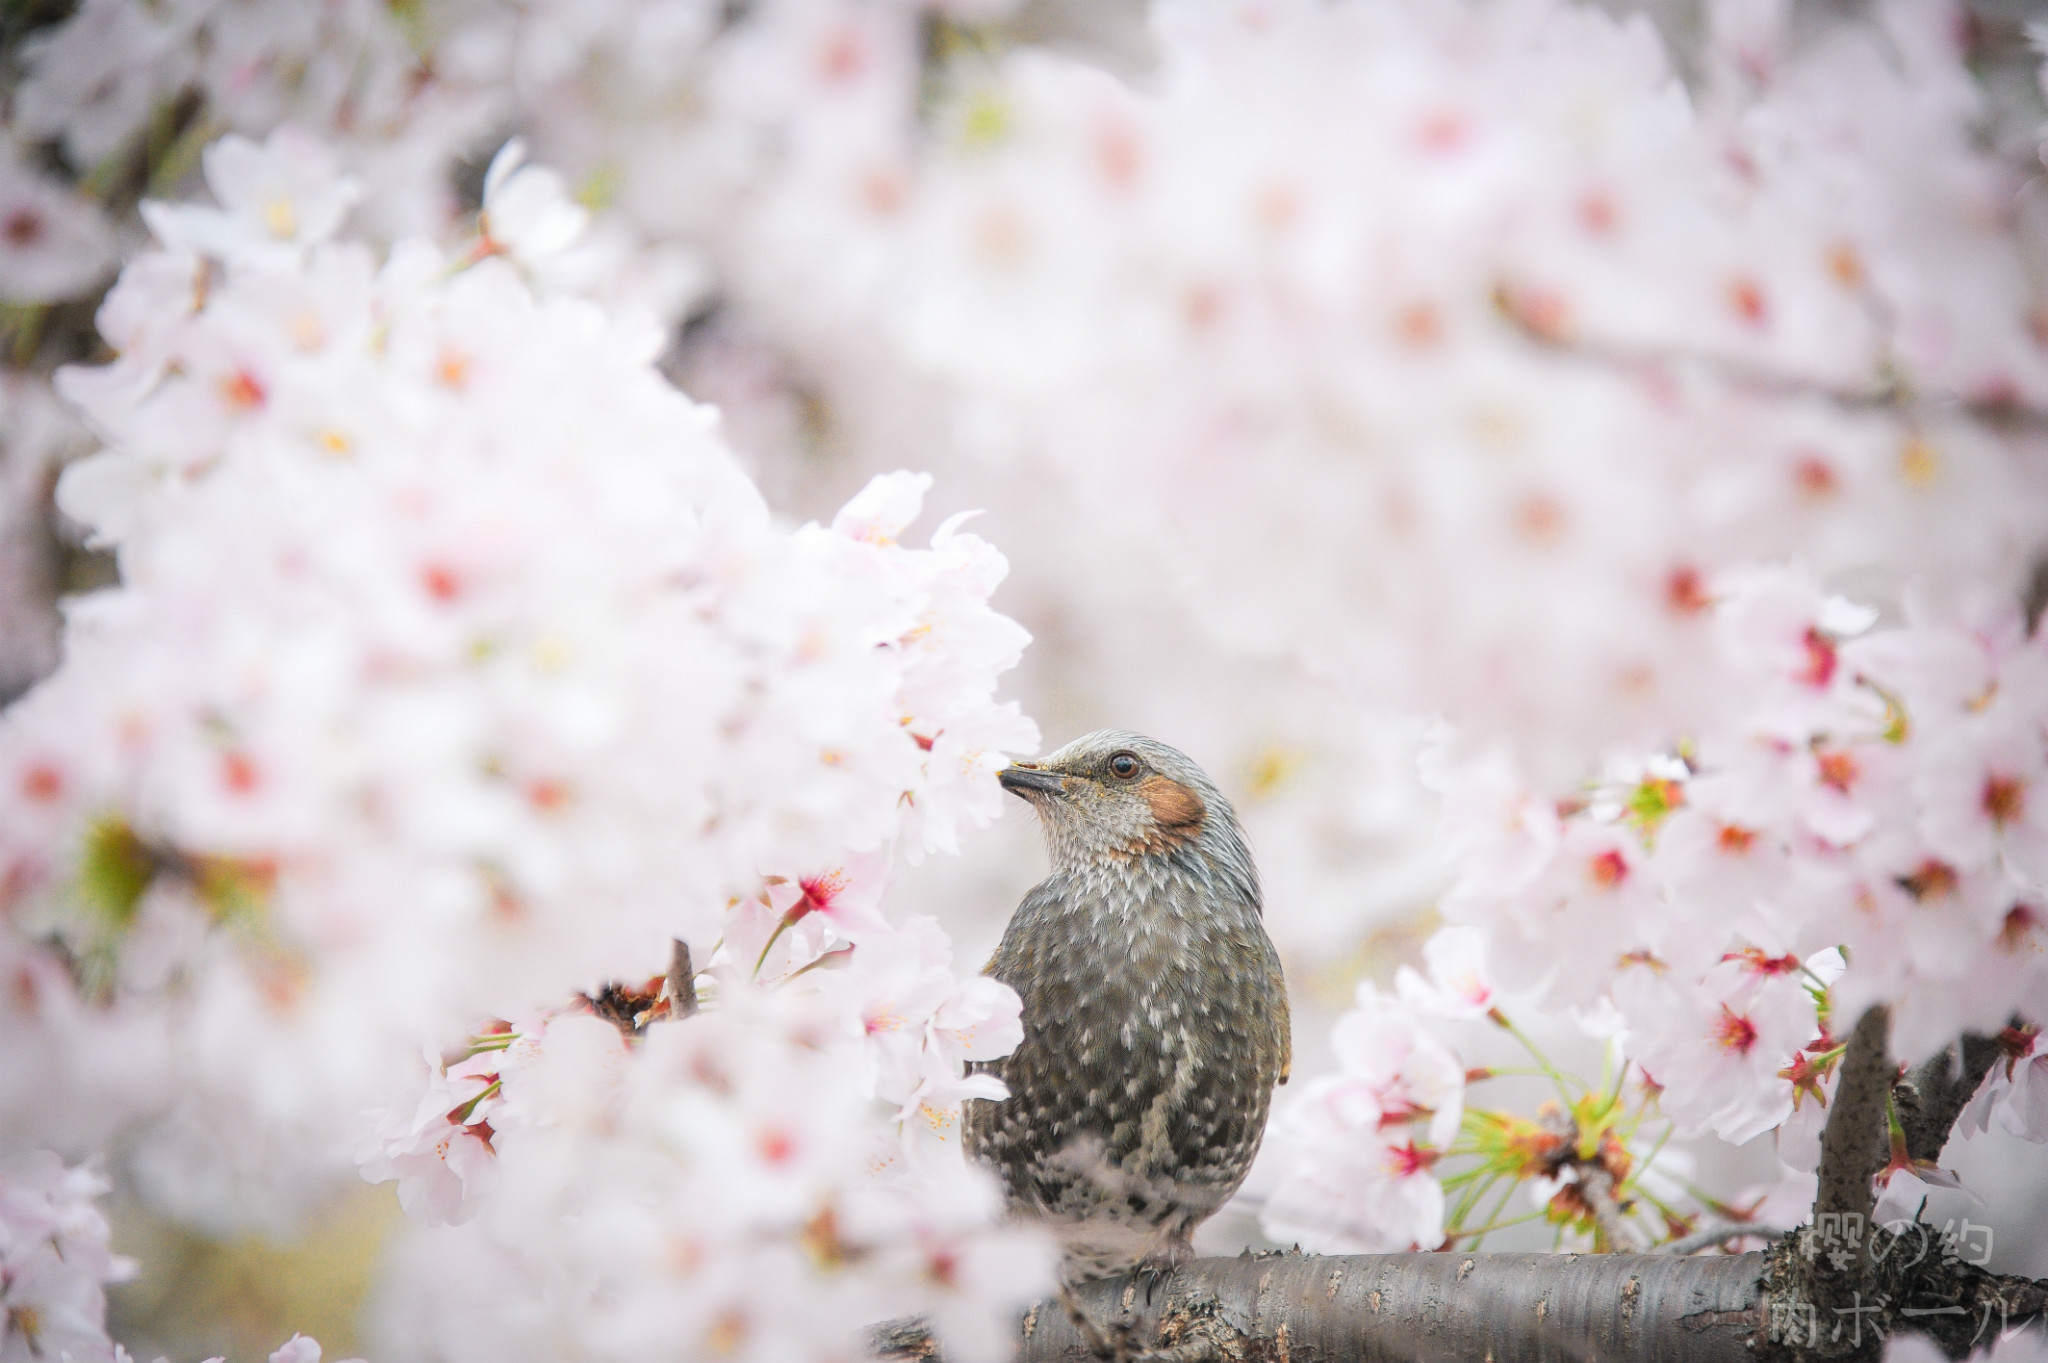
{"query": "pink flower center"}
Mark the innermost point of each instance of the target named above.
(1734, 1032)
(1747, 299)
(2005, 799)
(1608, 869)
(1820, 659)
(442, 582)
(24, 228)
(1406, 1161)
(776, 1147)
(1838, 770)
(1815, 478)
(1685, 591)
(819, 892)
(1734, 839)
(1931, 879)
(242, 390)
(1754, 960)
(43, 782)
(238, 771)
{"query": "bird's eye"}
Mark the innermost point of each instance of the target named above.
(1123, 766)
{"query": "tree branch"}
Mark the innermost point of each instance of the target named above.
(1596, 1185)
(1414, 1308)
(1853, 1145)
(1934, 1092)
(1524, 1308)
(1534, 319)
(1829, 1273)
(1713, 1237)
(682, 982)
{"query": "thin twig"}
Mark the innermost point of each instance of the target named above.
(682, 982)
(1596, 1185)
(1890, 394)
(1713, 1236)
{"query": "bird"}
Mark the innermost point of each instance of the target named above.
(1154, 1010)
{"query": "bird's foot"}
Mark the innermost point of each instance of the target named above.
(1157, 1268)
(1153, 1275)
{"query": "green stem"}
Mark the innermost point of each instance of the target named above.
(461, 1115)
(178, 158)
(1493, 1221)
(1482, 1232)
(827, 959)
(1516, 1071)
(773, 938)
(1470, 1198)
(1635, 1177)
(1715, 1204)
(1620, 1072)
(1550, 1071)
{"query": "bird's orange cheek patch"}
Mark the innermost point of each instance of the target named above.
(1174, 807)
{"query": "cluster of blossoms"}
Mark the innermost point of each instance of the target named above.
(700, 1182)
(1867, 830)
(1392, 1153)
(455, 668)
(1360, 1181)
(54, 1261)
(1865, 826)
(1885, 796)
(55, 1266)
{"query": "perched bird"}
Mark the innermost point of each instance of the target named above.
(1155, 1016)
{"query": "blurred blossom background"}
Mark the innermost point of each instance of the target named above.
(1448, 421)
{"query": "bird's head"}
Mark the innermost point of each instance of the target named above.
(1113, 795)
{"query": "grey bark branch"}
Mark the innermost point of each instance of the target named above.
(1510, 1308)
(1933, 1093)
(1412, 1308)
(1827, 1269)
(682, 982)
(1854, 1144)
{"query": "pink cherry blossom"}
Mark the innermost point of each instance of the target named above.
(1458, 985)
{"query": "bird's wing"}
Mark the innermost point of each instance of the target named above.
(1286, 1021)
(1007, 964)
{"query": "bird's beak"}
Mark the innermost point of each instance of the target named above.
(1022, 778)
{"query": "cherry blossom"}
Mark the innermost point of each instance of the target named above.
(1361, 1143)
(714, 1164)
(441, 1153)
(526, 211)
(1458, 985)
(1718, 1047)
(276, 198)
(2015, 1090)
(456, 668)
(54, 1261)
(53, 244)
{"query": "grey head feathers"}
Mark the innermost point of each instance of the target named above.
(1113, 796)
